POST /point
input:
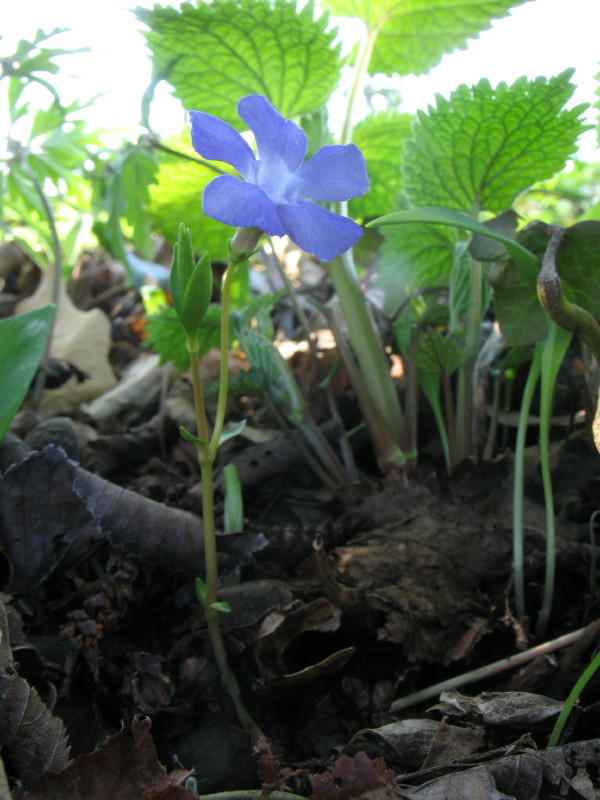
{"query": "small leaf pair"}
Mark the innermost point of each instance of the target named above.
(191, 283)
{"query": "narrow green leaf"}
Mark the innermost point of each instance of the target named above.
(482, 147)
(234, 501)
(22, 344)
(527, 263)
(185, 434)
(200, 589)
(215, 53)
(222, 606)
(415, 34)
(234, 430)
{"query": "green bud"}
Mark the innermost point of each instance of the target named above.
(191, 283)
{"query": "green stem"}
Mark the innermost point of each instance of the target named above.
(212, 615)
(224, 359)
(382, 409)
(555, 348)
(206, 458)
(519, 480)
(361, 66)
(582, 682)
(192, 346)
(465, 411)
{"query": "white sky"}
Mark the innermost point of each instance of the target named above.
(542, 37)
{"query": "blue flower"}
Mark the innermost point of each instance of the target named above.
(279, 193)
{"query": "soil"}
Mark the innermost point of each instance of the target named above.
(341, 605)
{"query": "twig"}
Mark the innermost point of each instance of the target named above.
(486, 672)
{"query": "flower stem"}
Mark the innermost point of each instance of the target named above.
(206, 458)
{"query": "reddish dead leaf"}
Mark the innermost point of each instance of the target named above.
(125, 768)
(72, 511)
(355, 776)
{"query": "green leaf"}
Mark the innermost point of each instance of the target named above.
(234, 500)
(215, 53)
(198, 293)
(189, 437)
(380, 137)
(578, 264)
(415, 34)
(482, 147)
(521, 318)
(177, 198)
(221, 605)
(22, 344)
(234, 430)
(526, 262)
(437, 353)
(200, 589)
(413, 257)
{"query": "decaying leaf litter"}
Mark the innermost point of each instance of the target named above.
(344, 605)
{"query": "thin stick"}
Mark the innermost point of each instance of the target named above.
(486, 672)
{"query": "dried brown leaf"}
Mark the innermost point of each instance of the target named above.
(280, 628)
(125, 768)
(522, 710)
(35, 741)
(72, 511)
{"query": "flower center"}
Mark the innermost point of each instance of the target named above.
(274, 177)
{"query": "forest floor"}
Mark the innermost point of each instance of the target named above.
(342, 605)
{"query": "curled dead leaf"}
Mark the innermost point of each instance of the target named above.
(71, 512)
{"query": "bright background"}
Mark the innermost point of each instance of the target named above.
(541, 37)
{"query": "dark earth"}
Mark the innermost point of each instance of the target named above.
(342, 603)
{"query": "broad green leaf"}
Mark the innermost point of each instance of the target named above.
(521, 318)
(482, 147)
(138, 172)
(578, 264)
(413, 35)
(215, 53)
(526, 261)
(437, 353)
(380, 137)
(22, 344)
(177, 197)
(167, 336)
(413, 257)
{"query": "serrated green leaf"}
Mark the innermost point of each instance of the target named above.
(380, 138)
(413, 257)
(213, 54)
(22, 344)
(177, 197)
(482, 147)
(413, 35)
(437, 353)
